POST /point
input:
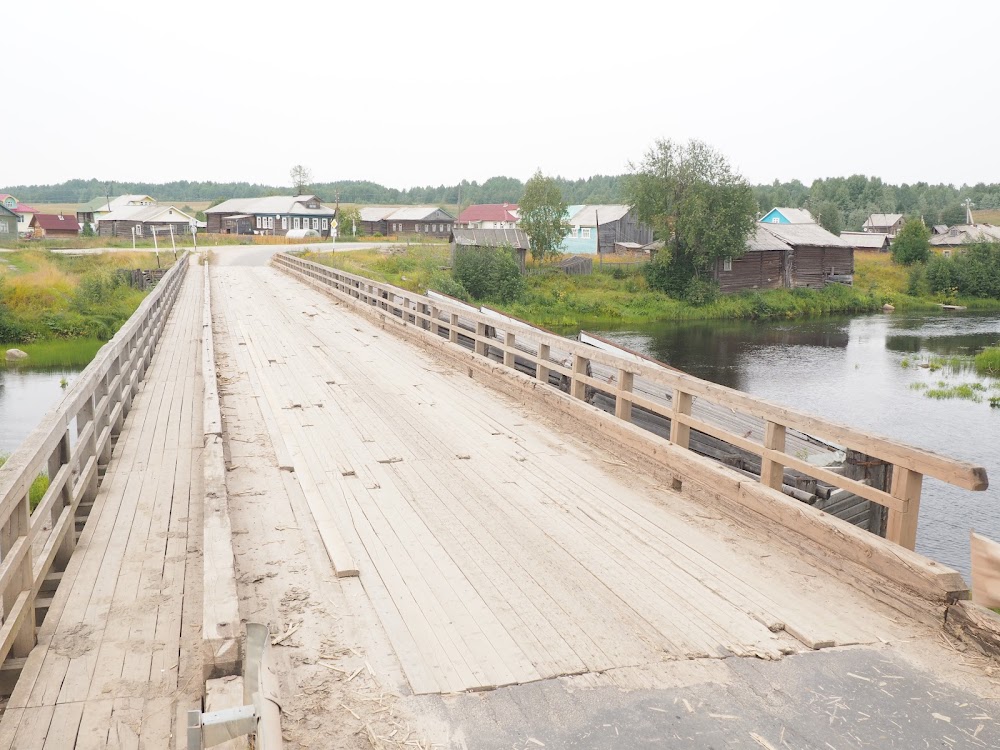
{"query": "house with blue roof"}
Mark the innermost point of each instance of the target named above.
(788, 216)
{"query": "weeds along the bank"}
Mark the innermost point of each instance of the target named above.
(45, 296)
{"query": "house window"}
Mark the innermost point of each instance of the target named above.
(571, 234)
(727, 264)
(427, 227)
(585, 233)
(315, 223)
(776, 220)
(138, 230)
(284, 222)
(258, 222)
(295, 223)
(4, 227)
(416, 227)
(326, 224)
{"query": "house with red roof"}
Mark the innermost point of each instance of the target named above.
(54, 225)
(489, 216)
(23, 210)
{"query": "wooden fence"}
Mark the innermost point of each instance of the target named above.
(547, 354)
(73, 445)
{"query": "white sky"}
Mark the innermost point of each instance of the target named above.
(224, 90)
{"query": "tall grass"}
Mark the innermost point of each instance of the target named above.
(38, 487)
(988, 361)
(54, 354)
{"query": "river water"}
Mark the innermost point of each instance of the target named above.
(25, 397)
(852, 370)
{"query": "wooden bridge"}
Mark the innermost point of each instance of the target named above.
(421, 500)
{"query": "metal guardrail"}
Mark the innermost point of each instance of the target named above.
(518, 344)
(72, 442)
(260, 714)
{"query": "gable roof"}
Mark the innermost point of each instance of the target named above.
(865, 240)
(882, 220)
(157, 212)
(588, 216)
(274, 204)
(489, 212)
(19, 208)
(763, 240)
(793, 215)
(375, 213)
(964, 233)
(4, 211)
(516, 238)
(805, 235)
(420, 213)
(64, 222)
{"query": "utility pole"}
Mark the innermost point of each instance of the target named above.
(968, 211)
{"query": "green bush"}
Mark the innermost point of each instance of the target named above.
(449, 285)
(916, 284)
(489, 273)
(912, 244)
(701, 292)
(988, 361)
(974, 271)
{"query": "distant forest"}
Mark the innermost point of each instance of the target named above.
(839, 203)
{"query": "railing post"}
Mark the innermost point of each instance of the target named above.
(86, 451)
(481, 346)
(435, 327)
(578, 388)
(453, 328)
(59, 457)
(508, 352)
(772, 473)
(541, 371)
(623, 406)
(17, 526)
(902, 525)
(680, 434)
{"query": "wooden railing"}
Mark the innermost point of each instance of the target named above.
(73, 442)
(518, 343)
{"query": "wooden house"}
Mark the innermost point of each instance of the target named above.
(8, 223)
(489, 216)
(871, 241)
(92, 212)
(596, 228)
(516, 239)
(816, 256)
(963, 234)
(54, 225)
(787, 216)
(145, 221)
(888, 224)
(762, 266)
(425, 220)
(273, 215)
(373, 219)
(23, 211)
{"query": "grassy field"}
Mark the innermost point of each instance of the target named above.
(987, 216)
(46, 296)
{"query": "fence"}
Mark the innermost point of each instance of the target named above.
(546, 354)
(72, 444)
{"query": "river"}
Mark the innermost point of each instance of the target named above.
(25, 397)
(861, 371)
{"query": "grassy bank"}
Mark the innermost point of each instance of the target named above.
(54, 354)
(46, 296)
(609, 295)
(876, 274)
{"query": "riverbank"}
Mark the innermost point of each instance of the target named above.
(619, 294)
(46, 296)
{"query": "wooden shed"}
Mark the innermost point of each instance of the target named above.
(816, 258)
(516, 239)
(54, 225)
(762, 266)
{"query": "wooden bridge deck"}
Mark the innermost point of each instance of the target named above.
(495, 548)
(119, 649)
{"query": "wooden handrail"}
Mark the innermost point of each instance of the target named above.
(454, 320)
(71, 442)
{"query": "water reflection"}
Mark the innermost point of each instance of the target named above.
(850, 370)
(25, 397)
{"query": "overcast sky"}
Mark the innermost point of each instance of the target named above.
(218, 90)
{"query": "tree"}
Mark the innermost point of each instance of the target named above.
(348, 221)
(830, 217)
(697, 204)
(489, 273)
(543, 216)
(301, 178)
(953, 215)
(912, 243)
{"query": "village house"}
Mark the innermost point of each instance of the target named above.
(817, 257)
(787, 216)
(54, 225)
(274, 215)
(964, 234)
(23, 211)
(888, 224)
(373, 219)
(516, 239)
(427, 220)
(144, 221)
(489, 216)
(8, 223)
(92, 212)
(872, 241)
(762, 266)
(594, 229)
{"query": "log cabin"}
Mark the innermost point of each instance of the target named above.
(164, 220)
(817, 257)
(762, 266)
(8, 223)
